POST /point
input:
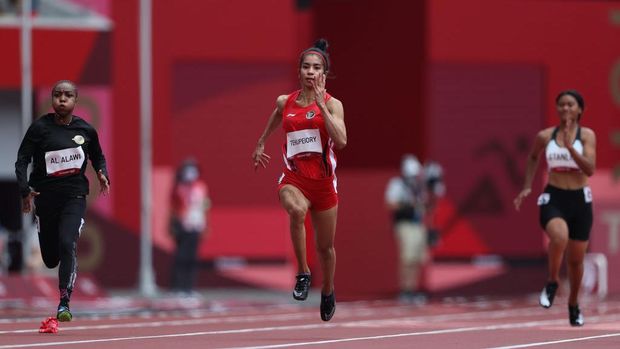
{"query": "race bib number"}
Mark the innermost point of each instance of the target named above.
(587, 194)
(304, 141)
(64, 162)
(543, 199)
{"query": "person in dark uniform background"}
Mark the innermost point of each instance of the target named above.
(566, 203)
(59, 145)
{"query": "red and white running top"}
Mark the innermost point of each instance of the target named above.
(308, 150)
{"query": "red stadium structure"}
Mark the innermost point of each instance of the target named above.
(463, 83)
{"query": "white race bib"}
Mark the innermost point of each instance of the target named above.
(303, 141)
(64, 162)
(587, 194)
(543, 199)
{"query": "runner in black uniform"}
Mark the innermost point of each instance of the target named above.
(59, 145)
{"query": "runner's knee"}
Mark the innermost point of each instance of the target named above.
(296, 212)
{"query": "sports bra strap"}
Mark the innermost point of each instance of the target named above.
(555, 132)
(577, 136)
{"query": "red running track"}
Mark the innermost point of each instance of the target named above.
(462, 323)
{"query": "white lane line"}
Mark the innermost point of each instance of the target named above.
(171, 323)
(350, 313)
(487, 315)
(315, 326)
(538, 344)
(411, 334)
(176, 335)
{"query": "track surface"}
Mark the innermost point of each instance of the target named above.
(447, 323)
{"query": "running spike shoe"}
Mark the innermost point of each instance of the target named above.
(302, 286)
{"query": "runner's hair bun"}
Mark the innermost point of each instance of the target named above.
(321, 44)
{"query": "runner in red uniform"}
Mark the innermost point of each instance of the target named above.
(314, 125)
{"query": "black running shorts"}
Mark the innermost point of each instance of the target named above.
(574, 206)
